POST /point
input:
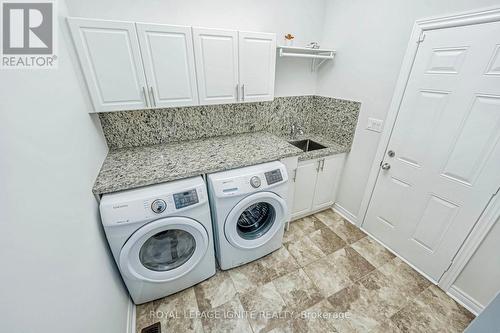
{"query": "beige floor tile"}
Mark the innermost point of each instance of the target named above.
(346, 230)
(174, 312)
(385, 298)
(359, 310)
(309, 224)
(338, 270)
(326, 240)
(351, 263)
(372, 251)
(215, 291)
(228, 317)
(387, 326)
(304, 251)
(278, 263)
(297, 290)
(405, 278)
(390, 298)
(248, 277)
(302, 227)
(263, 270)
(266, 308)
(328, 279)
(318, 318)
(432, 311)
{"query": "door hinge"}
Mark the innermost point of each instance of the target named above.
(421, 37)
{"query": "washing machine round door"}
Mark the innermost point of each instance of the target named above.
(255, 220)
(164, 250)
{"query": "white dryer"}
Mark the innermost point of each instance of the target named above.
(160, 236)
(249, 212)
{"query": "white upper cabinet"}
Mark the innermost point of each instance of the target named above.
(216, 65)
(111, 62)
(131, 65)
(257, 55)
(168, 57)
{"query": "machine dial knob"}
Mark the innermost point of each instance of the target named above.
(255, 181)
(158, 206)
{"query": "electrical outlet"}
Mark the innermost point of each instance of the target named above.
(375, 125)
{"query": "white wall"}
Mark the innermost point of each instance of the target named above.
(371, 38)
(304, 18)
(480, 278)
(57, 274)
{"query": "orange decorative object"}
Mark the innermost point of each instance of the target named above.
(289, 36)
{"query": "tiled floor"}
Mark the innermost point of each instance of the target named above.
(328, 277)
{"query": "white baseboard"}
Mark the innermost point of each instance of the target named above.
(345, 213)
(465, 300)
(131, 317)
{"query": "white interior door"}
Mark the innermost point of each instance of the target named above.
(111, 62)
(216, 53)
(168, 57)
(446, 165)
(257, 55)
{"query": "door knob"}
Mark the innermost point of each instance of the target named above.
(386, 166)
(391, 153)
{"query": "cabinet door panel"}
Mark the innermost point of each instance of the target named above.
(327, 183)
(257, 55)
(109, 53)
(305, 183)
(168, 58)
(216, 53)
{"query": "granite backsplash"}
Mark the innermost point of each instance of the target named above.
(331, 117)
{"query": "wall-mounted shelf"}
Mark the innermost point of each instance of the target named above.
(304, 52)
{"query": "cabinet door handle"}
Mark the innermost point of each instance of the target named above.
(145, 96)
(243, 92)
(322, 164)
(319, 166)
(294, 175)
(152, 95)
(237, 92)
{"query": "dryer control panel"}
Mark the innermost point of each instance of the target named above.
(153, 202)
(185, 199)
(248, 180)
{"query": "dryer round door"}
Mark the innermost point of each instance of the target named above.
(255, 220)
(164, 250)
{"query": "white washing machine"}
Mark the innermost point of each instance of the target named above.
(249, 212)
(160, 236)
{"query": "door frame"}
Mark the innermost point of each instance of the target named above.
(487, 219)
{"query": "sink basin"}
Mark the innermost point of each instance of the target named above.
(307, 145)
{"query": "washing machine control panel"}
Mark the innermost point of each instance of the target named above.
(184, 199)
(153, 202)
(255, 181)
(273, 177)
(158, 206)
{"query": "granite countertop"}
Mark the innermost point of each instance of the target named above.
(129, 168)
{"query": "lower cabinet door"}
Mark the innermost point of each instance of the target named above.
(305, 184)
(327, 182)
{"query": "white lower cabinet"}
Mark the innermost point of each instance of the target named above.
(316, 182)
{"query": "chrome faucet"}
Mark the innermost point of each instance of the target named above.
(295, 130)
